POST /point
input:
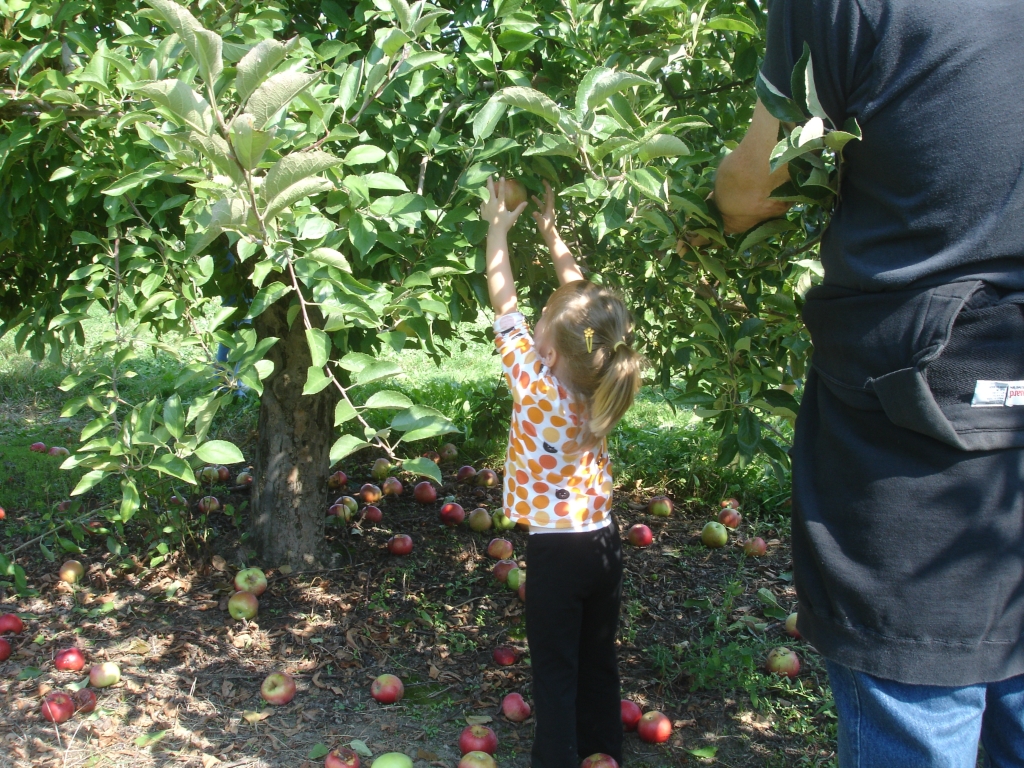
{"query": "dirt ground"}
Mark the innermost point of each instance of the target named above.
(191, 674)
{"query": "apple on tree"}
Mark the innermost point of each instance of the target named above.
(278, 688)
(514, 193)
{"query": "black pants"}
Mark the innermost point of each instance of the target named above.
(572, 614)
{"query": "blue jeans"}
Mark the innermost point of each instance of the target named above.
(885, 724)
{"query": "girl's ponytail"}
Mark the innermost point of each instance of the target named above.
(614, 395)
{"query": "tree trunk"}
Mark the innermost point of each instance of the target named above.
(289, 495)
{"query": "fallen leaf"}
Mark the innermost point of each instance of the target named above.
(422, 754)
(149, 739)
(434, 672)
(284, 570)
(219, 563)
(254, 717)
(360, 746)
(316, 680)
(317, 751)
(209, 761)
(479, 719)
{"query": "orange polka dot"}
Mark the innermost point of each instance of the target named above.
(571, 432)
(568, 470)
(510, 499)
(561, 508)
(530, 444)
(545, 405)
(509, 359)
(534, 467)
(548, 461)
(554, 478)
(524, 379)
(570, 447)
(598, 517)
(523, 508)
(529, 400)
(511, 484)
(522, 477)
(599, 502)
(535, 415)
(558, 421)
(541, 487)
(541, 502)
(551, 434)
(529, 429)
(562, 524)
(523, 492)
(542, 518)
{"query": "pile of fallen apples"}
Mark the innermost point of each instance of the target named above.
(715, 534)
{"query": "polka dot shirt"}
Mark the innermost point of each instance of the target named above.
(550, 482)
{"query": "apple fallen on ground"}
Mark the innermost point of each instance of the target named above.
(515, 707)
(660, 506)
(350, 504)
(243, 606)
(244, 478)
(449, 452)
(209, 475)
(434, 456)
(177, 501)
(11, 622)
(654, 728)
(730, 502)
(478, 738)
(714, 535)
(730, 518)
(5, 650)
(251, 580)
(487, 478)
(337, 480)
(783, 661)
(57, 450)
(755, 547)
(504, 656)
(392, 487)
(342, 757)
(57, 707)
(278, 688)
(452, 514)
(465, 474)
(65, 505)
(85, 701)
(480, 520)
(400, 544)
(522, 591)
(69, 660)
(208, 504)
(640, 535)
(500, 549)
(387, 689)
(477, 759)
(599, 760)
(104, 675)
(3, 513)
(38, 447)
(791, 629)
(502, 568)
(370, 494)
(372, 514)
(502, 522)
(223, 473)
(380, 469)
(424, 492)
(71, 571)
(631, 714)
(515, 577)
(392, 760)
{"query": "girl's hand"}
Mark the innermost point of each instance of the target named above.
(546, 220)
(493, 211)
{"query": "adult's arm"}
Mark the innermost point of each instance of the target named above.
(744, 180)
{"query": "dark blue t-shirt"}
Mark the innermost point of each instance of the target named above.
(935, 191)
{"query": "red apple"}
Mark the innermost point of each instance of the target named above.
(56, 450)
(65, 505)
(660, 506)
(465, 474)
(654, 728)
(449, 452)
(351, 506)
(515, 708)
(104, 675)
(337, 510)
(57, 707)
(782, 661)
(480, 520)
(522, 590)
(208, 504)
(251, 580)
(370, 494)
(730, 502)
(278, 688)
(452, 514)
(342, 757)
(478, 738)
(434, 456)
(477, 759)
(71, 571)
(243, 605)
(387, 689)
(500, 549)
(393, 487)
(515, 194)
(177, 501)
(714, 535)
(501, 570)
(640, 535)
(3, 514)
(38, 447)
(487, 478)
(791, 629)
(209, 475)
(599, 760)
(223, 473)
(755, 547)
(372, 514)
(244, 478)
(5, 650)
(85, 701)
(504, 656)
(424, 492)
(380, 469)
(10, 622)
(631, 715)
(69, 660)
(400, 544)
(337, 480)
(730, 518)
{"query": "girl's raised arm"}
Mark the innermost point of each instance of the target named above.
(500, 284)
(565, 264)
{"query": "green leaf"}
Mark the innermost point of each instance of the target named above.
(296, 167)
(714, 266)
(294, 193)
(267, 295)
(732, 23)
(256, 65)
(403, 15)
(276, 93)
(376, 372)
(385, 181)
(748, 432)
(174, 416)
(249, 144)
(424, 468)
(180, 101)
(171, 465)
(704, 752)
(29, 673)
(149, 739)
(319, 346)
(600, 83)
(388, 399)
(780, 107)
(63, 173)
(211, 62)
(514, 40)
(89, 480)
(417, 417)
(129, 500)
(219, 452)
(343, 412)
(802, 85)
(487, 118)
(361, 233)
(551, 144)
(330, 258)
(133, 180)
(364, 154)
(645, 181)
(316, 380)
(345, 446)
(530, 100)
(765, 231)
(317, 751)
(360, 747)
(663, 145)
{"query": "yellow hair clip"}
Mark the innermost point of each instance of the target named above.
(588, 334)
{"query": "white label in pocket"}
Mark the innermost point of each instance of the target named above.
(997, 394)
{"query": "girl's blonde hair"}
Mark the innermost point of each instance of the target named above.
(604, 369)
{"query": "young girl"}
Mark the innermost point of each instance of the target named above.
(571, 382)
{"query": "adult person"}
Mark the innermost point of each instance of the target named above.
(908, 501)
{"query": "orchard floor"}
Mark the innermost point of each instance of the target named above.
(696, 626)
